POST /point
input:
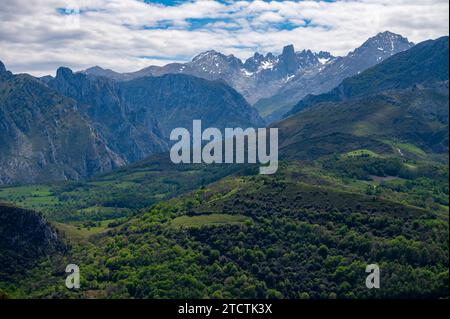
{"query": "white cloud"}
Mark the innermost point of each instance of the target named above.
(118, 34)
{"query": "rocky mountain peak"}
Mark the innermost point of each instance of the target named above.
(206, 54)
(4, 73)
(215, 63)
(386, 42)
(258, 56)
(255, 62)
(288, 51)
(389, 35)
(324, 55)
(305, 53)
(95, 70)
(288, 60)
(213, 55)
(270, 56)
(63, 73)
(2, 67)
(291, 61)
(306, 58)
(101, 72)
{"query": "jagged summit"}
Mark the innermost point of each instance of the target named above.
(215, 56)
(63, 72)
(101, 72)
(209, 53)
(2, 67)
(386, 42)
(3, 71)
(95, 68)
(288, 62)
(213, 65)
(288, 50)
(389, 35)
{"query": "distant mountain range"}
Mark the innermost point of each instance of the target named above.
(259, 76)
(275, 83)
(373, 51)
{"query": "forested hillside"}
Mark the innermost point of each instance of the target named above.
(26, 239)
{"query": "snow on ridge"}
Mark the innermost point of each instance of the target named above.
(267, 65)
(246, 73)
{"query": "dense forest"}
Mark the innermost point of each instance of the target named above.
(296, 235)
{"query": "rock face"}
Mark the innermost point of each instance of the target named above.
(273, 84)
(43, 136)
(99, 99)
(137, 116)
(25, 237)
(2, 68)
(74, 125)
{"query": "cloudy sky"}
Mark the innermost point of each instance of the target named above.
(37, 36)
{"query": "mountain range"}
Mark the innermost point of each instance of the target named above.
(321, 80)
(259, 76)
(404, 98)
(274, 83)
(79, 124)
(137, 116)
(425, 63)
(74, 126)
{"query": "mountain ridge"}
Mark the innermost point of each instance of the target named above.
(274, 82)
(332, 74)
(40, 131)
(115, 122)
(427, 61)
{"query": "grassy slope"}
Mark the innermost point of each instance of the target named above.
(117, 194)
(412, 120)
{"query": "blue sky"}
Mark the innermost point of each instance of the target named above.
(126, 35)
